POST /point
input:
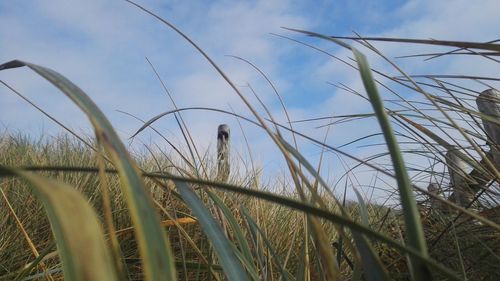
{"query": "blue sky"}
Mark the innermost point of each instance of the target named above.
(102, 45)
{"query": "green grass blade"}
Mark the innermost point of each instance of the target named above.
(300, 273)
(443, 143)
(25, 271)
(228, 259)
(340, 241)
(328, 260)
(238, 233)
(78, 234)
(153, 243)
(251, 223)
(414, 229)
(413, 224)
(374, 270)
(249, 267)
(258, 248)
(363, 211)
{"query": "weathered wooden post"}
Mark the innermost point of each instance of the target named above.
(223, 147)
(464, 185)
(435, 189)
(488, 103)
(459, 179)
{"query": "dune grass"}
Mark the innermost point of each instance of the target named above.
(159, 216)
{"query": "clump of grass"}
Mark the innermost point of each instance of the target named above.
(64, 151)
(163, 217)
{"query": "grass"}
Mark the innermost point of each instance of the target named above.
(156, 216)
(272, 245)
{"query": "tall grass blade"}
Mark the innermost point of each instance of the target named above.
(374, 270)
(329, 263)
(256, 229)
(363, 211)
(228, 259)
(78, 234)
(238, 232)
(460, 44)
(300, 273)
(414, 230)
(35, 262)
(340, 241)
(153, 243)
(444, 144)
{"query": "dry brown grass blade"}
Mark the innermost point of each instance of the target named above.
(180, 221)
(459, 44)
(26, 235)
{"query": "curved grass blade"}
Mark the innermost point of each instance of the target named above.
(250, 268)
(27, 237)
(374, 270)
(228, 259)
(303, 161)
(414, 229)
(262, 194)
(34, 263)
(238, 232)
(459, 44)
(300, 272)
(330, 265)
(340, 241)
(153, 244)
(256, 229)
(444, 144)
(180, 221)
(363, 211)
(77, 231)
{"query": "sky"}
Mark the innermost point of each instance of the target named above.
(102, 47)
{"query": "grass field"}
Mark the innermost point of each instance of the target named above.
(85, 208)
